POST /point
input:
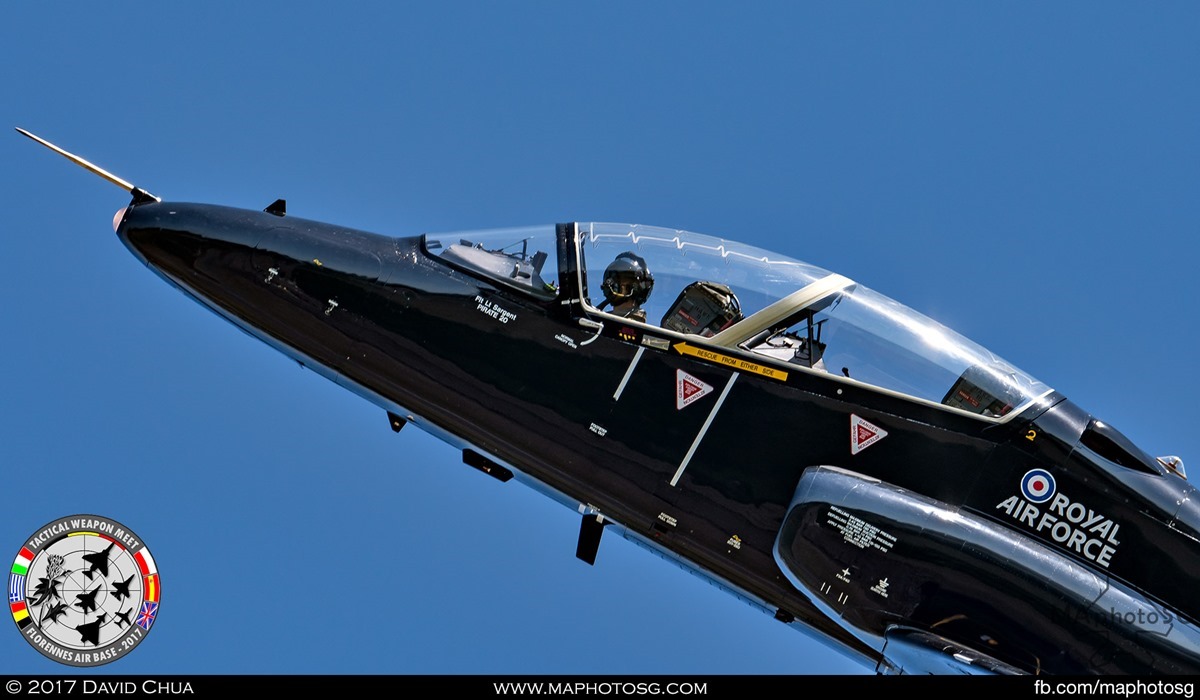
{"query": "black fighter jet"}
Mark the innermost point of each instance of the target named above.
(821, 450)
(98, 561)
(86, 601)
(121, 588)
(90, 632)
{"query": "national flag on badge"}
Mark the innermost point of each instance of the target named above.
(16, 588)
(21, 614)
(21, 565)
(151, 588)
(145, 562)
(146, 617)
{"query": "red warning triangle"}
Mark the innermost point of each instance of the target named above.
(689, 389)
(863, 434)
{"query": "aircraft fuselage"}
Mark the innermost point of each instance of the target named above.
(873, 518)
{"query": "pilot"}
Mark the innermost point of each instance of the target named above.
(627, 285)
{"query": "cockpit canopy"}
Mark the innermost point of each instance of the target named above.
(739, 298)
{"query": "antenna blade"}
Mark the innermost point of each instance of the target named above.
(127, 186)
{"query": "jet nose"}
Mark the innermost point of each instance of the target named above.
(197, 244)
(158, 232)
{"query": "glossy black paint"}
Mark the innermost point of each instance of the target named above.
(384, 318)
(919, 563)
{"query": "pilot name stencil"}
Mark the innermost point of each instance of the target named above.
(490, 308)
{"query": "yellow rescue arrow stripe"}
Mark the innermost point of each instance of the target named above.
(736, 363)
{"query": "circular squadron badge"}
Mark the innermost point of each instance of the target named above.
(84, 590)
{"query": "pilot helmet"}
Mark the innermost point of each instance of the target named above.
(627, 279)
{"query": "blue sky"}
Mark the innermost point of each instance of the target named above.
(1025, 173)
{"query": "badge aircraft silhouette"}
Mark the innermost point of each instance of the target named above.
(122, 618)
(98, 561)
(120, 589)
(829, 455)
(87, 600)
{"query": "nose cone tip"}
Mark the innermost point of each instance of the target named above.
(119, 217)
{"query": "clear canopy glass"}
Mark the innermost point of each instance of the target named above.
(772, 305)
(744, 299)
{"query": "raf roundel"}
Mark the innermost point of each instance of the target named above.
(1037, 485)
